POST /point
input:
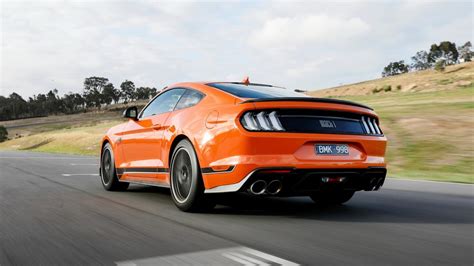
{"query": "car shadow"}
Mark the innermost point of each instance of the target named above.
(386, 206)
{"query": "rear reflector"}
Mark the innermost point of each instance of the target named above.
(333, 179)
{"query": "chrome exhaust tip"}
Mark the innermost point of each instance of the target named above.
(258, 187)
(274, 187)
(373, 183)
(379, 184)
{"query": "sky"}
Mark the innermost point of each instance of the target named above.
(300, 44)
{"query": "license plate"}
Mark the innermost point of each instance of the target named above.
(332, 149)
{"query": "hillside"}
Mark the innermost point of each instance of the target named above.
(429, 122)
(430, 126)
(456, 76)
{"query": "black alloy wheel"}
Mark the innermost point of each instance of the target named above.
(108, 174)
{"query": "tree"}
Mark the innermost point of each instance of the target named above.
(445, 50)
(108, 93)
(17, 107)
(465, 52)
(68, 101)
(128, 91)
(93, 88)
(4, 102)
(116, 95)
(145, 93)
(72, 102)
(3, 133)
(440, 65)
(395, 68)
(79, 101)
(420, 61)
(53, 104)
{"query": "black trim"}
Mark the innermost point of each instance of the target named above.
(209, 170)
(121, 171)
(306, 99)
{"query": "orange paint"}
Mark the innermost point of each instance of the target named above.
(220, 141)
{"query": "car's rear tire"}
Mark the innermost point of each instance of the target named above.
(108, 173)
(187, 188)
(332, 197)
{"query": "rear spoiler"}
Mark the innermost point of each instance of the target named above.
(306, 99)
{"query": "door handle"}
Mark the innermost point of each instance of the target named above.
(156, 126)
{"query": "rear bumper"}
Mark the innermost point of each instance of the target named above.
(231, 161)
(306, 181)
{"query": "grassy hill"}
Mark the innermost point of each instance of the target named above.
(429, 121)
(427, 116)
(454, 77)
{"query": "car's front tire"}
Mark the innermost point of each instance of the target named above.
(187, 188)
(108, 173)
(332, 197)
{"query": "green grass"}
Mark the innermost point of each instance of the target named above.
(442, 146)
(83, 140)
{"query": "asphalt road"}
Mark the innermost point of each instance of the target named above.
(53, 210)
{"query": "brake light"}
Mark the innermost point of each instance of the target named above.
(261, 121)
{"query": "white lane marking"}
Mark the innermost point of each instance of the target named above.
(237, 259)
(268, 257)
(225, 256)
(246, 258)
(81, 164)
(79, 174)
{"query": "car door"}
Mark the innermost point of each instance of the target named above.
(142, 139)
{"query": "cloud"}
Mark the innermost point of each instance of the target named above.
(285, 32)
(307, 68)
(307, 45)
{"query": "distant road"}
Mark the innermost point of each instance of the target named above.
(53, 210)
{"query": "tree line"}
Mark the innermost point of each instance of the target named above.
(437, 57)
(97, 92)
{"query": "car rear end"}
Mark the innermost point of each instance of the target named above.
(300, 145)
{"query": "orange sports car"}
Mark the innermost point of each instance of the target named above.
(202, 138)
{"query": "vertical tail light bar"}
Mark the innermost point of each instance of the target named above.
(261, 121)
(371, 126)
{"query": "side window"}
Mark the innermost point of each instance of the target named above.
(165, 102)
(190, 98)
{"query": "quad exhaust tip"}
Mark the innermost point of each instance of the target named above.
(379, 184)
(258, 187)
(274, 187)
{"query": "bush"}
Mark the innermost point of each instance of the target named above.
(387, 88)
(3, 133)
(376, 90)
(399, 87)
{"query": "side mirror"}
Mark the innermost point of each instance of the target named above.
(131, 112)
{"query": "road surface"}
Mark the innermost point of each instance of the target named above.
(53, 210)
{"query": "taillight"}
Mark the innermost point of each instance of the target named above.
(261, 121)
(371, 126)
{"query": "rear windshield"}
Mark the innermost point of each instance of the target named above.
(256, 91)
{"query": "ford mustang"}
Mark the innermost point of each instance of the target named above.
(203, 138)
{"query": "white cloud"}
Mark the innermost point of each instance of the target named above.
(294, 31)
(303, 44)
(307, 68)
